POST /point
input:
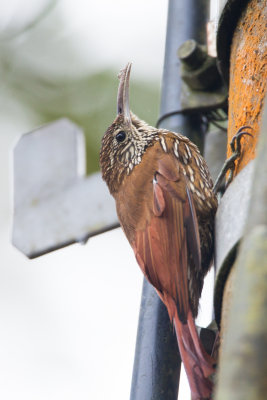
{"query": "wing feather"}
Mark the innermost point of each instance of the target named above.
(161, 248)
(192, 231)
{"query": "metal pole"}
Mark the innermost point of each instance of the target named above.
(243, 364)
(186, 20)
(157, 363)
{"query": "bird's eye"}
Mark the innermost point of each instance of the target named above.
(121, 136)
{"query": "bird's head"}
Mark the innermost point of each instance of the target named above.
(126, 140)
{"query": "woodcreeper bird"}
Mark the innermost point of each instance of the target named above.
(166, 207)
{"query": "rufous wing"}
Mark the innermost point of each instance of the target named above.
(171, 228)
(161, 249)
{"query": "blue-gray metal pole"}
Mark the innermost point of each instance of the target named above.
(157, 362)
(186, 20)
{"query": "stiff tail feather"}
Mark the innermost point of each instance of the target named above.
(197, 363)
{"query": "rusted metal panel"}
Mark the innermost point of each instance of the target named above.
(248, 76)
(243, 355)
(247, 87)
(243, 361)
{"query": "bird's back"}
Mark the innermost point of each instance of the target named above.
(179, 160)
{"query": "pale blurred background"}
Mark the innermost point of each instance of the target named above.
(69, 319)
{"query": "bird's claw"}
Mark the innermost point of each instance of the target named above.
(229, 164)
(235, 143)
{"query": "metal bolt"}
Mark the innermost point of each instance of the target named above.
(191, 54)
(198, 69)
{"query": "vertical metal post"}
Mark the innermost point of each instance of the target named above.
(242, 279)
(243, 362)
(186, 20)
(157, 362)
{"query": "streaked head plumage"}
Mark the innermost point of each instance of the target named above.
(126, 140)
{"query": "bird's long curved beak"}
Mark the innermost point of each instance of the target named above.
(123, 106)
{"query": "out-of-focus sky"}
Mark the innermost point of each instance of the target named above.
(69, 319)
(105, 34)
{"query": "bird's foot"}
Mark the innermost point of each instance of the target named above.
(229, 164)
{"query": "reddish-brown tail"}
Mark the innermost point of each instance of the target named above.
(197, 363)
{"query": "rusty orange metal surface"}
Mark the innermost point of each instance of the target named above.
(248, 77)
(247, 91)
